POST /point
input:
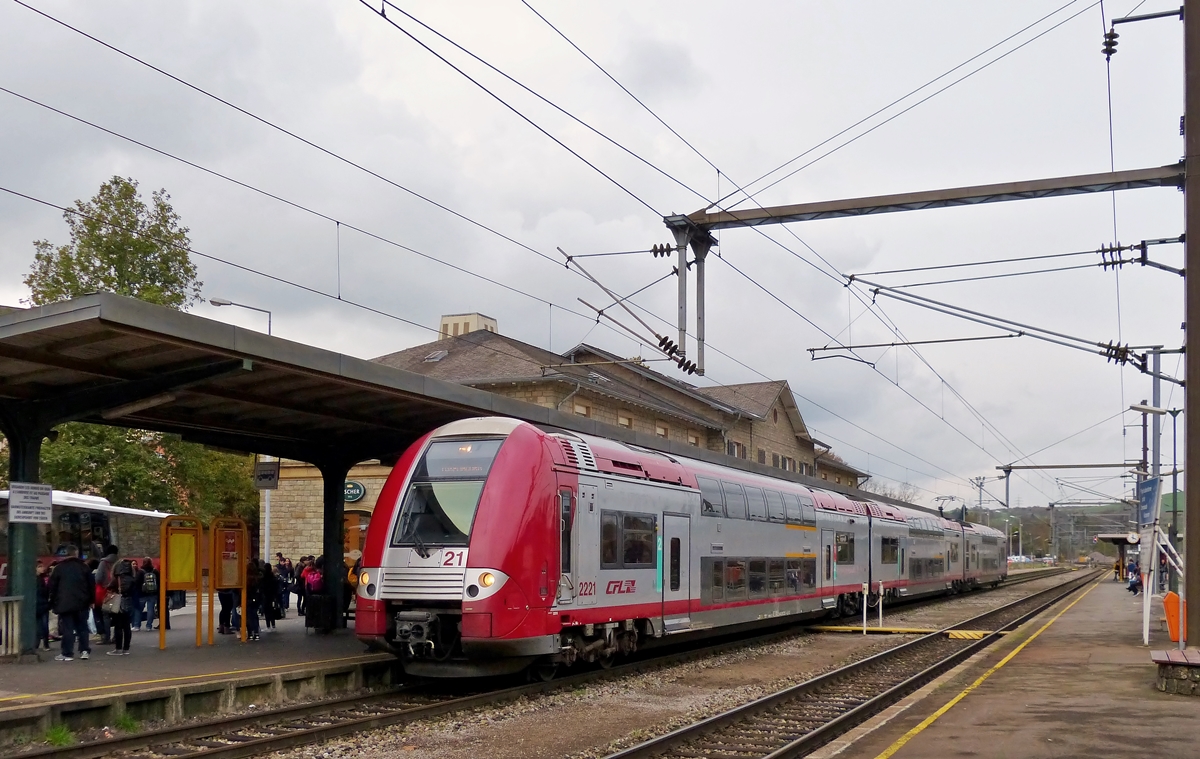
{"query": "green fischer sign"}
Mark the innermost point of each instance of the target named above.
(355, 491)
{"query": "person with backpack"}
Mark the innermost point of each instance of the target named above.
(149, 596)
(123, 583)
(301, 580)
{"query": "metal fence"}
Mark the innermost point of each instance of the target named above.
(10, 625)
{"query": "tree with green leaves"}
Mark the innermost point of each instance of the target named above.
(120, 244)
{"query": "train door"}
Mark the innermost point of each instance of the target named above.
(586, 553)
(676, 583)
(828, 560)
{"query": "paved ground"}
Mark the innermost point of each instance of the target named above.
(180, 662)
(1083, 688)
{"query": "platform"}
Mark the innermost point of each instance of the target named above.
(183, 681)
(1083, 687)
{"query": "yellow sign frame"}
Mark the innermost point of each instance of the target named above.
(179, 567)
(219, 529)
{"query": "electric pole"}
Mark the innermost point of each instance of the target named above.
(1191, 195)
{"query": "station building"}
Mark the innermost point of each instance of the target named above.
(758, 421)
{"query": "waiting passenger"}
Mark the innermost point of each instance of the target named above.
(72, 593)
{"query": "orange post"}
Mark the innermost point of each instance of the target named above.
(1175, 615)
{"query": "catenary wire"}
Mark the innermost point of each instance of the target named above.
(382, 14)
(721, 173)
(266, 122)
(1103, 264)
(932, 95)
(974, 263)
(544, 99)
(314, 212)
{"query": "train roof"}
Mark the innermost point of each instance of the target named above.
(82, 502)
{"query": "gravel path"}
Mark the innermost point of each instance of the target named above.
(595, 720)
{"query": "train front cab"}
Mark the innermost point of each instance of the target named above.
(458, 562)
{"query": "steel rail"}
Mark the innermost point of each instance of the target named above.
(690, 734)
(262, 721)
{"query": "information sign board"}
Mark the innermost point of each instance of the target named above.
(30, 502)
(1148, 500)
(266, 475)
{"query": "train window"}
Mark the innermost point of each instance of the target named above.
(735, 500)
(808, 573)
(845, 547)
(712, 501)
(564, 498)
(828, 562)
(735, 579)
(901, 561)
(638, 543)
(717, 580)
(758, 578)
(610, 538)
(775, 578)
(775, 508)
(675, 563)
(758, 504)
(808, 511)
(953, 552)
(889, 550)
(791, 508)
(438, 513)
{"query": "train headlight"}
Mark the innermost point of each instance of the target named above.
(487, 579)
(364, 579)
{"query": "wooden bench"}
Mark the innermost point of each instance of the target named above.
(1178, 671)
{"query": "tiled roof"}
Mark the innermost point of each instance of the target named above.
(754, 398)
(482, 358)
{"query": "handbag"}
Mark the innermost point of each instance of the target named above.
(112, 603)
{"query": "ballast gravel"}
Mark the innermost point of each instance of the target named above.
(597, 719)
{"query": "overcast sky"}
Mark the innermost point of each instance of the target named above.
(750, 86)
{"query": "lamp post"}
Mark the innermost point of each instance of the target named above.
(266, 542)
(227, 302)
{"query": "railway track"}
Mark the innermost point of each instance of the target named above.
(797, 720)
(259, 733)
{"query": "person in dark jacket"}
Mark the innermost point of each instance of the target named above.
(72, 593)
(253, 600)
(123, 583)
(43, 607)
(268, 593)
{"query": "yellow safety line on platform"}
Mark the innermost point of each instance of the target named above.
(892, 749)
(181, 677)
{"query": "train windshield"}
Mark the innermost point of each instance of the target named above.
(441, 500)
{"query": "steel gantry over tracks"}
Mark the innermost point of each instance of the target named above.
(695, 229)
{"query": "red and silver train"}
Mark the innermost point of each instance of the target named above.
(496, 545)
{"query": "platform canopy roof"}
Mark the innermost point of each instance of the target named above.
(113, 360)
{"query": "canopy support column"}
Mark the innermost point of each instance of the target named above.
(333, 475)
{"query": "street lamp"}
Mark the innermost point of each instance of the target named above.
(227, 302)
